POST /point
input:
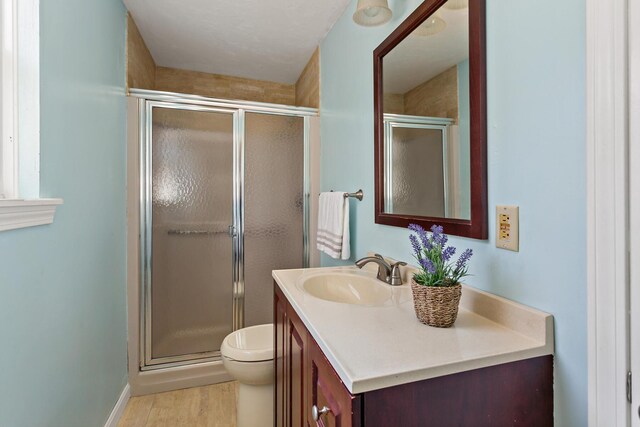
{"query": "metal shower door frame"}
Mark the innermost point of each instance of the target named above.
(146, 227)
(395, 121)
(153, 99)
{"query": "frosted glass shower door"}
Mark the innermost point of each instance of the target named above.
(190, 299)
(274, 207)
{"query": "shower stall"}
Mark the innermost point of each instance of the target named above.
(222, 199)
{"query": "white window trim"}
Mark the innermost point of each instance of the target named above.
(607, 213)
(15, 212)
(9, 125)
(27, 213)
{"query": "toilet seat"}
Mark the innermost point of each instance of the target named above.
(252, 344)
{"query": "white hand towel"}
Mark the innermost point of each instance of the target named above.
(333, 225)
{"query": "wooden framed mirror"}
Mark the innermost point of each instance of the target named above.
(430, 115)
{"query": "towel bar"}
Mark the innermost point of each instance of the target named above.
(357, 195)
(195, 232)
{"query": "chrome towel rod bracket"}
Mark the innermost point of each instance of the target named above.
(357, 195)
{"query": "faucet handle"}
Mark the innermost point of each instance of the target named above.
(396, 277)
(378, 256)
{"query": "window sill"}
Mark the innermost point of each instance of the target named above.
(16, 213)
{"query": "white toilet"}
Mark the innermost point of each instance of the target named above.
(247, 354)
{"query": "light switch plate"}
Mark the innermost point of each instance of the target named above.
(507, 228)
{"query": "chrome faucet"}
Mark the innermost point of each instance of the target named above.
(388, 273)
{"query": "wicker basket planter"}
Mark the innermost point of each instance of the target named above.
(436, 305)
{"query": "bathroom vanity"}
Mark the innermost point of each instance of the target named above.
(349, 351)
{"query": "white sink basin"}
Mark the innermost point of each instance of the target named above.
(347, 287)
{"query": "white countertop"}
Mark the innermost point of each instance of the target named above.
(377, 347)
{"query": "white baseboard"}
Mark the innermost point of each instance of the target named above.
(118, 410)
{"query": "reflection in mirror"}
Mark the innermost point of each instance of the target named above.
(427, 118)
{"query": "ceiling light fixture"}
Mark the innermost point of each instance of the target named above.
(457, 4)
(433, 25)
(370, 13)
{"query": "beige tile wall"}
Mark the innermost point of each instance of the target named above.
(227, 87)
(437, 97)
(141, 69)
(308, 84)
(393, 103)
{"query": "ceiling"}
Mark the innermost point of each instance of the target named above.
(419, 58)
(257, 39)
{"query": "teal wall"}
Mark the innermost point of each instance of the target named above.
(63, 286)
(536, 151)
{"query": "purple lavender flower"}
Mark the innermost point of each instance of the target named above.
(426, 264)
(464, 258)
(422, 234)
(448, 253)
(437, 235)
(436, 258)
(417, 250)
(417, 228)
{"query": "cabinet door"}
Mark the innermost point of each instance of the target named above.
(290, 360)
(297, 364)
(280, 359)
(327, 393)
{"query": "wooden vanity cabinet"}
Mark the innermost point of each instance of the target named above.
(325, 390)
(290, 354)
(304, 377)
(512, 394)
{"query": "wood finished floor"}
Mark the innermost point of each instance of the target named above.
(210, 406)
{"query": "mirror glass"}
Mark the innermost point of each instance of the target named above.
(427, 118)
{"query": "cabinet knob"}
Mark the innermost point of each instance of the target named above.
(317, 413)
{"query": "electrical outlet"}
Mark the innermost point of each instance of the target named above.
(507, 230)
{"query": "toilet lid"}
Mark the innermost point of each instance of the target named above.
(252, 344)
